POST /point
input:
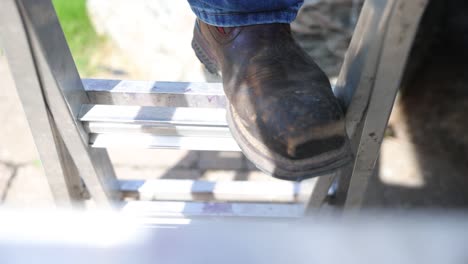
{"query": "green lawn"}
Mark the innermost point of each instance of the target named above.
(79, 32)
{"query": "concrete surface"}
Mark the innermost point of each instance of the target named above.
(22, 180)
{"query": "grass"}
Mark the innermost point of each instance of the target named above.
(79, 32)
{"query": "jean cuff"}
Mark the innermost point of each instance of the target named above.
(245, 19)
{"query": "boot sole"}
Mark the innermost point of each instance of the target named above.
(264, 159)
(280, 167)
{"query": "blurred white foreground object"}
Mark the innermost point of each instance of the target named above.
(70, 237)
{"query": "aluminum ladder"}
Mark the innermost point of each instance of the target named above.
(73, 121)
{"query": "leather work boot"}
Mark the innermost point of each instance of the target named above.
(282, 111)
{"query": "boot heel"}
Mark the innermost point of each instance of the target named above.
(202, 55)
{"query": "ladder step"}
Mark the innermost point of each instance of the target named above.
(191, 209)
(163, 142)
(224, 191)
(154, 115)
(157, 127)
(173, 130)
(151, 93)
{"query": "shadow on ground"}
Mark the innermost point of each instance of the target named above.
(434, 105)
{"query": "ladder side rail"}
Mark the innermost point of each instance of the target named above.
(399, 37)
(357, 75)
(353, 87)
(64, 95)
(61, 172)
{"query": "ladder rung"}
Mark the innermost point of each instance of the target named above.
(150, 93)
(165, 142)
(157, 127)
(188, 209)
(175, 130)
(232, 191)
(154, 115)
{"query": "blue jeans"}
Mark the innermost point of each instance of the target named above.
(231, 13)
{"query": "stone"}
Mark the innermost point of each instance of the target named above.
(161, 45)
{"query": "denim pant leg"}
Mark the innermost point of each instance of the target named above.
(231, 13)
